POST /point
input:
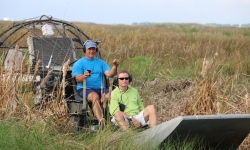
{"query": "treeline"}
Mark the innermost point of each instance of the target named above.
(190, 24)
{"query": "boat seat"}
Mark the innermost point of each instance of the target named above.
(78, 105)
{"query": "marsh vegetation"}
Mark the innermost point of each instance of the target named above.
(182, 70)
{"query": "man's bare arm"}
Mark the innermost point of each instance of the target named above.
(81, 77)
(112, 71)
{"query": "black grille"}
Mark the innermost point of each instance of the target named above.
(61, 49)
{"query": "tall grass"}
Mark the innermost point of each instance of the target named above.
(181, 70)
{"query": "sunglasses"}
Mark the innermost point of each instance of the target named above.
(123, 78)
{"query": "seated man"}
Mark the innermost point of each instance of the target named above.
(134, 111)
(92, 69)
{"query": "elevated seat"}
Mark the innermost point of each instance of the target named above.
(52, 52)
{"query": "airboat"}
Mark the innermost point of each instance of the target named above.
(52, 46)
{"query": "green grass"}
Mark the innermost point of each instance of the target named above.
(188, 143)
(14, 134)
(19, 135)
(168, 53)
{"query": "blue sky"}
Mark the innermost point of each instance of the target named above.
(129, 11)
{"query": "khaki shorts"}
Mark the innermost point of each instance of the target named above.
(138, 117)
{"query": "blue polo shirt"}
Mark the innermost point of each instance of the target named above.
(97, 67)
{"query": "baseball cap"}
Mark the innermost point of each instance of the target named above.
(90, 43)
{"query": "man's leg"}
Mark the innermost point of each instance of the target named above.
(120, 120)
(150, 115)
(95, 100)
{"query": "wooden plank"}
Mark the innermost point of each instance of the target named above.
(11, 63)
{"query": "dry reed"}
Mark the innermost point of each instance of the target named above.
(216, 90)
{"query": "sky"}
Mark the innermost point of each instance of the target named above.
(131, 11)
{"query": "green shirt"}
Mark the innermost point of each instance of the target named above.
(130, 98)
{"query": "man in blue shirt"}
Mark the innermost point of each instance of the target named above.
(94, 79)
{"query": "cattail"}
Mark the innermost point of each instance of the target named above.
(204, 67)
(45, 79)
(247, 100)
(14, 58)
(216, 54)
(218, 107)
(65, 68)
(36, 70)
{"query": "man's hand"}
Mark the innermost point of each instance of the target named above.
(116, 62)
(86, 74)
(81, 77)
(113, 70)
(136, 123)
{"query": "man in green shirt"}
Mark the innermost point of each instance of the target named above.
(134, 111)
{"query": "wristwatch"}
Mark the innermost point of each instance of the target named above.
(130, 117)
